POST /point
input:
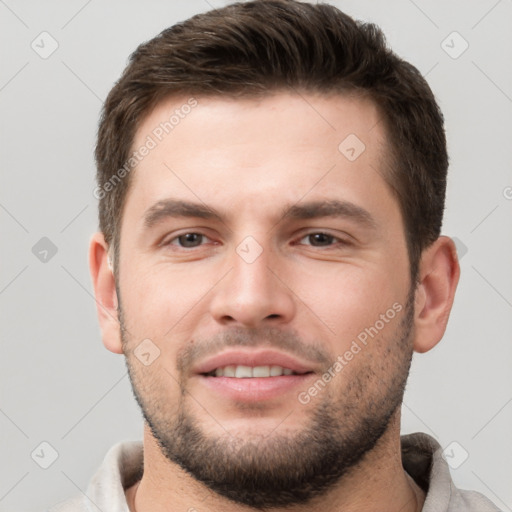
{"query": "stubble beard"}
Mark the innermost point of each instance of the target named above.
(281, 470)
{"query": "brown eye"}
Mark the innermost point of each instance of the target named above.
(320, 239)
(189, 240)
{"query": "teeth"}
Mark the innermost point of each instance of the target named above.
(229, 371)
(275, 371)
(245, 372)
(261, 371)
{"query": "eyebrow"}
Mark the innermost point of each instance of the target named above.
(169, 208)
(177, 208)
(331, 208)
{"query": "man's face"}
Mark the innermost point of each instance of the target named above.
(261, 233)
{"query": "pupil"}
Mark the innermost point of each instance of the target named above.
(189, 240)
(321, 239)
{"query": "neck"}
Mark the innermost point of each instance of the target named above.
(378, 483)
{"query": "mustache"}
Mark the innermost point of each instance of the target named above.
(267, 337)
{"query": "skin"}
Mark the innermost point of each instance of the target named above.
(251, 160)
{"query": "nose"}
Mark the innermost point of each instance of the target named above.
(253, 294)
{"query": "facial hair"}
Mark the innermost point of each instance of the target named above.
(281, 470)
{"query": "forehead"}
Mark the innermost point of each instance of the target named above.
(304, 114)
(243, 151)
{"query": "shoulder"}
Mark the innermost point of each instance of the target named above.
(423, 460)
(76, 504)
(122, 466)
(470, 501)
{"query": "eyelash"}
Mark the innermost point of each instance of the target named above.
(170, 242)
(334, 238)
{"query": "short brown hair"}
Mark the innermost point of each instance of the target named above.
(259, 47)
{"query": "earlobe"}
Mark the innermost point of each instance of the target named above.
(438, 277)
(105, 293)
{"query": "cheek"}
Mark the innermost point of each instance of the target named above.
(159, 302)
(346, 301)
(156, 385)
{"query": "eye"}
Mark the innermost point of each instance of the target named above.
(320, 240)
(188, 240)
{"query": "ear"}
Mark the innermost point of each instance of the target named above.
(439, 273)
(105, 293)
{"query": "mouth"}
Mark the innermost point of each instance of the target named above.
(243, 376)
(250, 372)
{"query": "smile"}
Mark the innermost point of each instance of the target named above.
(247, 372)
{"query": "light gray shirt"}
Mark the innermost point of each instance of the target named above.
(422, 458)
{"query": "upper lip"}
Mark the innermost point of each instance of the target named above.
(252, 358)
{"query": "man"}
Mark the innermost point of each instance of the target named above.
(271, 181)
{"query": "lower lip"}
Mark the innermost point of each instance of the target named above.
(256, 388)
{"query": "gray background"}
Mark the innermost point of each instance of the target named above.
(60, 386)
